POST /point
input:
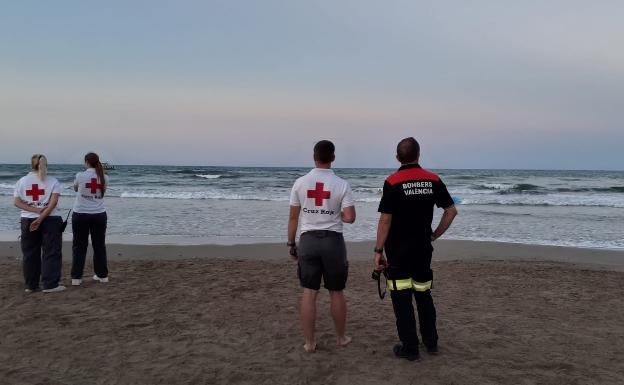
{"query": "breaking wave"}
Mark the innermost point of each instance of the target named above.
(200, 195)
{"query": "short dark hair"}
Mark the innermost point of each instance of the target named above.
(408, 150)
(324, 151)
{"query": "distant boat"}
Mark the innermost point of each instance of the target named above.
(108, 166)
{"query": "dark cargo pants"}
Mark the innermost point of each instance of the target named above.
(42, 252)
(409, 262)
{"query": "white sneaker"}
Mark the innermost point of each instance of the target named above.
(101, 280)
(76, 282)
(28, 290)
(57, 289)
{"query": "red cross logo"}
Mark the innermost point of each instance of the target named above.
(34, 192)
(318, 194)
(94, 186)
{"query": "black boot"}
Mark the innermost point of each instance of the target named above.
(409, 354)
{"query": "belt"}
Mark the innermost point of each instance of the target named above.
(322, 233)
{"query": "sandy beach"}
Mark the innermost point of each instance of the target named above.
(507, 314)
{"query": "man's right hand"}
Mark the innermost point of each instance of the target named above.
(292, 252)
(380, 262)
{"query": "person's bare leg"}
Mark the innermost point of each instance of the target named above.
(339, 314)
(308, 318)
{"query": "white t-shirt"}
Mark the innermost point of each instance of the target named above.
(322, 196)
(89, 198)
(37, 193)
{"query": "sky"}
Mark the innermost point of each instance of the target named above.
(480, 84)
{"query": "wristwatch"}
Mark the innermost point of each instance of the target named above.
(291, 244)
(380, 251)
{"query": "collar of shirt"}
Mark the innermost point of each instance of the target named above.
(90, 169)
(408, 166)
(329, 170)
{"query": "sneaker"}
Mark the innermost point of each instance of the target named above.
(76, 282)
(102, 280)
(57, 289)
(28, 291)
(401, 352)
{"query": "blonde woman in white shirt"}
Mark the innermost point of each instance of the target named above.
(37, 194)
(89, 218)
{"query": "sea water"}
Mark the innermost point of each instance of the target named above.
(191, 204)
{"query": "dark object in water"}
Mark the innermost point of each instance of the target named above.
(108, 166)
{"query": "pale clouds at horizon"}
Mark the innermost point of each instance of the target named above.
(505, 85)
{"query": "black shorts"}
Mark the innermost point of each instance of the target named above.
(323, 254)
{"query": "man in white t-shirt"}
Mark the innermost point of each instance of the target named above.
(320, 202)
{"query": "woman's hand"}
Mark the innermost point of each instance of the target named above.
(35, 224)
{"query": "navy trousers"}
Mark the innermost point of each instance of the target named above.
(84, 225)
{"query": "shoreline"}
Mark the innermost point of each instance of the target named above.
(233, 241)
(445, 250)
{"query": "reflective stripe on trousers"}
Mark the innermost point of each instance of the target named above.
(409, 283)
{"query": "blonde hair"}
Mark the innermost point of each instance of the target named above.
(39, 163)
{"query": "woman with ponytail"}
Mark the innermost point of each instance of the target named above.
(89, 218)
(37, 195)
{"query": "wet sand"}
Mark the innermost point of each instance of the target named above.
(507, 314)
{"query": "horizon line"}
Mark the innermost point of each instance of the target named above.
(339, 168)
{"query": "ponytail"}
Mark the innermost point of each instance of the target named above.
(93, 160)
(99, 170)
(39, 163)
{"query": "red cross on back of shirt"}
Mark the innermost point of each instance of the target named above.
(94, 185)
(34, 192)
(318, 194)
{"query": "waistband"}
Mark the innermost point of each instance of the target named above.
(55, 217)
(322, 233)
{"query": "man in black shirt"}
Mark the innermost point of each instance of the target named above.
(404, 231)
